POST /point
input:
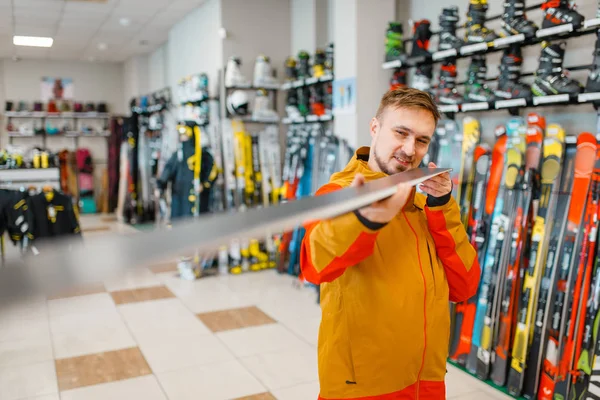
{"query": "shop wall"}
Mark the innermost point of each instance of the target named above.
(136, 78)
(303, 26)
(574, 119)
(194, 45)
(157, 69)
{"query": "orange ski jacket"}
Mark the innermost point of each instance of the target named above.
(385, 293)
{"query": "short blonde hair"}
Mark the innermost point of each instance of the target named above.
(408, 98)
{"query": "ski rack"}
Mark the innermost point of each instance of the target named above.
(513, 105)
(565, 31)
(306, 82)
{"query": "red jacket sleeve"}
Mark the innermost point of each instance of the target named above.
(330, 246)
(454, 250)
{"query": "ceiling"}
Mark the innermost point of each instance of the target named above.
(79, 26)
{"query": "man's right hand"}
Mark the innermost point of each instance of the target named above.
(385, 210)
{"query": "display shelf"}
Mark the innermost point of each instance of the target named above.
(44, 114)
(306, 82)
(561, 99)
(557, 32)
(29, 175)
(310, 118)
(14, 134)
(273, 86)
(258, 120)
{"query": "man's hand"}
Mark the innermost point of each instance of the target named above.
(385, 210)
(437, 186)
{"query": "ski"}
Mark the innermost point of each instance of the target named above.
(471, 137)
(525, 180)
(550, 169)
(532, 372)
(555, 361)
(479, 239)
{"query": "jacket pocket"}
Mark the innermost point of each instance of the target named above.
(432, 267)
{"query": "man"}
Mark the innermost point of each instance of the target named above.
(388, 271)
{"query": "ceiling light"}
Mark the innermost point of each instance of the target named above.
(125, 21)
(35, 41)
(102, 46)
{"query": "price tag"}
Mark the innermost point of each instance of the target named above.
(583, 97)
(392, 64)
(475, 106)
(511, 103)
(440, 55)
(555, 30)
(508, 40)
(591, 23)
(286, 86)
(448, 108)
(570, 139)
(559, 98)
(473, 48)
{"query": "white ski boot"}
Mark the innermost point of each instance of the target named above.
(263, 73)
(263, 108)
(233, 75)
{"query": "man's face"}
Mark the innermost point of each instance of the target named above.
(400, 138)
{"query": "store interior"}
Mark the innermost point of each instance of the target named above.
(122, 118)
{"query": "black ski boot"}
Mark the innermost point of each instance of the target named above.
(514, 20)
(475, 89)
(476, 32)
(421, 36)
(509, 86)
(550, 78)
(593, 82)
(560, 12)
(394, 42)
(446, 92)
(398, 79)
(448, 21)
(422, 78)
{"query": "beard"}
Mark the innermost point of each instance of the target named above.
(387, 169)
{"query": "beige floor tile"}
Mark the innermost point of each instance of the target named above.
(99, 368)
(285, 368)
(306, 328)
(24, 328)
(79, 291)
(207, 295)
(187, 351)
(142, 294)
(134, 279)
(89, 333)
(262, 339)
(161, 321)
(261, 396)
(23, 309)
(93, 303)
(459, 383)
(143, 388)
(25, 351)
(28, 381)
(218, 321)
(228, 380)
(44, 397)
(305, 391)
(163, 268)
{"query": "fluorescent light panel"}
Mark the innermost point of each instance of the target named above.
(34, 41)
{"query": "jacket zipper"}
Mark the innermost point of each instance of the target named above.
(431, 265)
(424, 303)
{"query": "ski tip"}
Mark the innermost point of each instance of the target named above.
(586, 138)
(500, 131)
(557, 131)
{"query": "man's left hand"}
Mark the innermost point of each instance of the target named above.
(437, 186)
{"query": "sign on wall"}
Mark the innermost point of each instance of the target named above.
(344, 96)
(57, 89)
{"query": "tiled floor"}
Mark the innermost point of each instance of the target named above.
(150, 335)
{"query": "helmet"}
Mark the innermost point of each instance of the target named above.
(237, 103)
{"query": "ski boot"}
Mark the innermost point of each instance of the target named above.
(319, 65)
(550, 78)
(394, 42)
(233, 75)
(421, 36)
(303, 94)
(263, 74)
(422, 78)
(509, 86)
(446, 92)
(476, 32)
(262, 106)
(303, 65)
(448, 21)
(560, 12)
(329, 60)
(291, 105)
(317, 105)
(514, 20)
(475, 88)
(398, 79)
(593, 82)
(291, 73)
